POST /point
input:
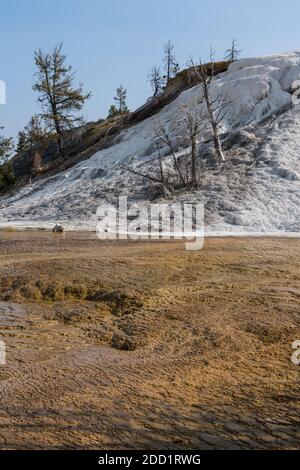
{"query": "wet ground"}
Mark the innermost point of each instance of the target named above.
(145, 345)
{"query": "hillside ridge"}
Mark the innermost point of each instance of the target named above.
(256, 190)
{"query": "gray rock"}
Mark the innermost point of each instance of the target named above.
(58, 229)
(238, 139)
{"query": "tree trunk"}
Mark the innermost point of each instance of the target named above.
(166, 187)
(59, 140)
(218, 147)
(194, 163)
(60, 146)
(217, 142)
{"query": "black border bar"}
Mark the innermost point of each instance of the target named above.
(148, 459)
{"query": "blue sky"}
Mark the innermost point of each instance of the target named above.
(110, 42)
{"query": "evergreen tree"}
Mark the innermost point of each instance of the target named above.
(60, 101)
(120, 100)
(113, 112)
(33, 140)
(21, 145)
(120, 107)
(33, 137)
(6, 147)
(7, 176)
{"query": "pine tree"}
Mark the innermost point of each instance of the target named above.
(120, 107)
(7, 176)
(113, 112)
(120, 100)
(21, 145)
(33, 137)
(33, 140)
(59, 100)
(6, 147)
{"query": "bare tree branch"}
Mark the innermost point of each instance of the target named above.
(162, 133)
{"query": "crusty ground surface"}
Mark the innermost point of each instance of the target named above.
(122, 345)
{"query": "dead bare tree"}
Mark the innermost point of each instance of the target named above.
(167, 187)
(181, 172)
(233, 53)
(163, 135)
(171, 65)
(216, 103)
(191, 122)
(156, 81)
(163, 180)
(190, 126)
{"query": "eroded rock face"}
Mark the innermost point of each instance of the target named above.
(240, 138)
